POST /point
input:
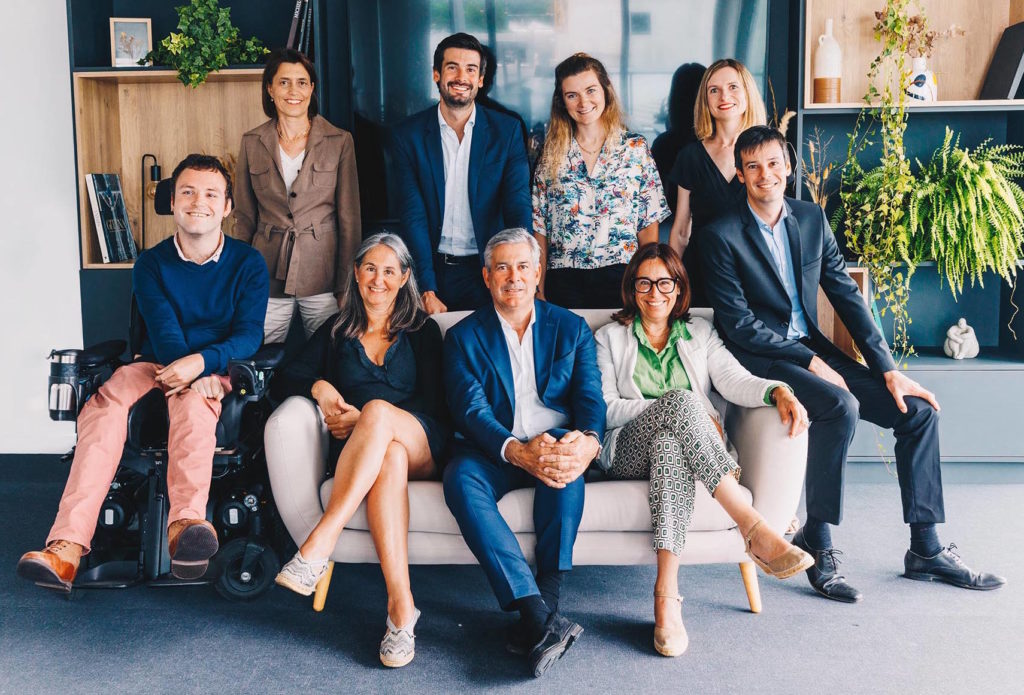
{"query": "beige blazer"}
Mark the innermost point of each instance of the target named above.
(706, 359)
(308, 239)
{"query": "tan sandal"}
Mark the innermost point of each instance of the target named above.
(791, 562)
(670, 642)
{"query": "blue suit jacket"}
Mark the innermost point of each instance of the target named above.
(499, 183)
(478, 374)
(752, 309)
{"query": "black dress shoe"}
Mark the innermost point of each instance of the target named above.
(824, 575)
(517, 639)
(946, 566)
(559, 634)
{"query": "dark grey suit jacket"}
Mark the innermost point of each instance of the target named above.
(752, 309)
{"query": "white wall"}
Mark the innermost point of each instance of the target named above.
(40, 304)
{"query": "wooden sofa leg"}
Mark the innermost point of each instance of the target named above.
(320, 596)
(749, 573)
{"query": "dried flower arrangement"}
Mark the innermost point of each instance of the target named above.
(920, 39)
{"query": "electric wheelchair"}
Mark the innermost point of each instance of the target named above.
(130, 544)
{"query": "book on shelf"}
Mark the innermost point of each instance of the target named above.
(296, 18)
(113, 230)
(308, 29)
(302, 27)
(1003, 79)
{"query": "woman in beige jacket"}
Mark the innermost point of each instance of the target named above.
(297, 198)
(658, 366)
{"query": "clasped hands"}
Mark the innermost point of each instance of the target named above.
(555, 462)
(340, 417)
(183, 373)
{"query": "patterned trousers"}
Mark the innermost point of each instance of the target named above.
(674, 443)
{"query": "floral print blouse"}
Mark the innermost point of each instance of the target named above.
(592, 221)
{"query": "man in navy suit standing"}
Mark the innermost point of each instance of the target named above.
(462, 176)
(763, 264)
(525, 393)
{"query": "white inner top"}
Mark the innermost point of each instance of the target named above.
(290, 167)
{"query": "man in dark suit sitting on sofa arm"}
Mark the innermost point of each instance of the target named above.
(764, 262)
(525, 394)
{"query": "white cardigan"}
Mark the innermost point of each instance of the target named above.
(706, 359)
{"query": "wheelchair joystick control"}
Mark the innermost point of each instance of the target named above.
(63, 391)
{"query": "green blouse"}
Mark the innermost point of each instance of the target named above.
(657, 373)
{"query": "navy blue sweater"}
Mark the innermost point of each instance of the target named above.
(216, 309)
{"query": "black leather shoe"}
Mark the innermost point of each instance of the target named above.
(824, 575)
(946, 566)
(559, 634)
(517, 639)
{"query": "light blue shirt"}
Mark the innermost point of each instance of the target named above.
(778, 244)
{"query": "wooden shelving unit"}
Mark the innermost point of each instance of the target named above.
(960, 63)
(122, 114)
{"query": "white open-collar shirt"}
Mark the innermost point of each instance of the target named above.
(531, 416)
(457, 234)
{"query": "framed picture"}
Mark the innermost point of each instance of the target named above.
(131, 38)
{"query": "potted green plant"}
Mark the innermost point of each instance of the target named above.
(206, 41)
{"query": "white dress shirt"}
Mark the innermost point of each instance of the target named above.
(531, 416)
(457, 235)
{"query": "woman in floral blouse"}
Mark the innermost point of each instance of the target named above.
(597, 196)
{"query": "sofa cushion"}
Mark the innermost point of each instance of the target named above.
(615, 505)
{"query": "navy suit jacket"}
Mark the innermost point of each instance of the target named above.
(752, 308)
(478, 374)
(499, 183)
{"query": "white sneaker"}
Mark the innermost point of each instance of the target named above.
(300, 575)
(399, 644)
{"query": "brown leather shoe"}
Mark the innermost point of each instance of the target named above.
(54, 567)
(191, 542)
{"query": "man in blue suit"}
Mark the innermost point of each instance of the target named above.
(462, 176)
(525, 393)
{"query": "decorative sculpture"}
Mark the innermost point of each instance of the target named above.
(961, 343)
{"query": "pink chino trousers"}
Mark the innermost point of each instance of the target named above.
(102, 430)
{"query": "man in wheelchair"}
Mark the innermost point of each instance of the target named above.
(203, 298)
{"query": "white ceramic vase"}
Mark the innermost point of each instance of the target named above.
(922, 86)
(827, 68)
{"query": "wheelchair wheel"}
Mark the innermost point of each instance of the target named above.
(247, 568)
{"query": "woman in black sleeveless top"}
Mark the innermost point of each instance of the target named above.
(728, 102)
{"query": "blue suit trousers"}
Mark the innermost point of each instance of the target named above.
(473, 484)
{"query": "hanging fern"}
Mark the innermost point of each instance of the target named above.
(968, 211)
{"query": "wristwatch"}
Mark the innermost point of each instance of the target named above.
(600, 446)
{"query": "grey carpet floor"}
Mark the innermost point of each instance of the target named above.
(906, 637)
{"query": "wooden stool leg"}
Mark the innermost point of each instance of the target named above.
(320, 597)
(749, 573)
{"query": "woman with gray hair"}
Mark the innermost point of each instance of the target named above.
(375, 372)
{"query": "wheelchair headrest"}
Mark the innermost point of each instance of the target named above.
(162, 201)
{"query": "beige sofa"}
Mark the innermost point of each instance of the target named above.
(616, 524)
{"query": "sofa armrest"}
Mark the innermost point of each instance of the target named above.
(295, 441)
(773, 464)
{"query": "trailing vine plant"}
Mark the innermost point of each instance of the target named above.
(874, 203)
